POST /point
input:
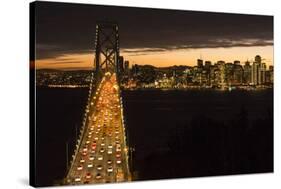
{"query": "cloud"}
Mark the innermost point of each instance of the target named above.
(55, 51)
(45, 51)
(144, 31)
(212, 43)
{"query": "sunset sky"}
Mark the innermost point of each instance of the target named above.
(65, 35)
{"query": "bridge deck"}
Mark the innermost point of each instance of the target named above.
(102, 155)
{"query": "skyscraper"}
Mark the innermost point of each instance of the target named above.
(199, 63)
(237, 74)
(262, 73)
(208, 64)
(221, 65)
(247, 73)
(135, 69)
(229, 68)
(126, 67)
(207, 67)
(258, 58)
(256, 71)
(236, 62)
(271, 75)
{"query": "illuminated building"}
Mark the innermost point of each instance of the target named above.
(258, 58)
(262, 73)
(199, 63)
(237, 74)
(135, 70)
(208, 65)
(229, 72)
(207, 68)
(236, 62)
(221, 65)
(126, 68)
(271, 76)
(214, 75)
(256, 71)
(197, 75)
(247, 73)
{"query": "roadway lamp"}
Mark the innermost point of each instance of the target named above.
(126, 149)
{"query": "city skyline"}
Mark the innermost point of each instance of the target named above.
(153, 36)
(205, 74)
(85, 61)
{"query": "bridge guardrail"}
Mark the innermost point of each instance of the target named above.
(85, 121)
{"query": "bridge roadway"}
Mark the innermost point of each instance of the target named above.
(102, 155)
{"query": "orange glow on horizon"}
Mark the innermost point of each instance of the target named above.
(67, 61)
(163, 59)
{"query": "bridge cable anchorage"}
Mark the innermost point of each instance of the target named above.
(101, 155)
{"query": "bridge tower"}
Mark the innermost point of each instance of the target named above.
(107, 59)
(106, 49)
